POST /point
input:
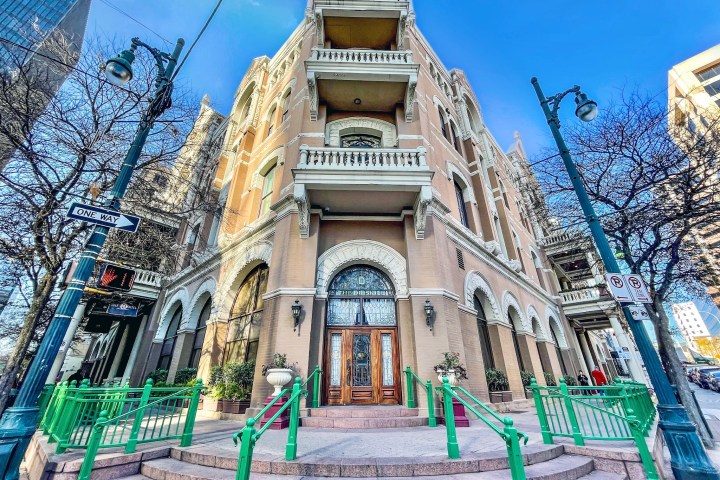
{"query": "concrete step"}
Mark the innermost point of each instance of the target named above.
(566, 467)
(363, 422)
(370, 411)
(598, 475)
(314, 465)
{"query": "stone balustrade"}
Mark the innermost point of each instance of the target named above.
(147, 278)
(331, 158)
(583, 295)
(362, 56)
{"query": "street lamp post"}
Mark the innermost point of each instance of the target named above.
(18, 423)
(687, 455)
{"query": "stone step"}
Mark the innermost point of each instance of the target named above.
(599, 475)
(565, 467)
(314, 465)
(363, 422)
(371, 411)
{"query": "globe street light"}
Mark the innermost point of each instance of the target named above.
(688, 458)
(17, 424)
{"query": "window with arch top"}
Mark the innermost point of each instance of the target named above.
(443, 125)
(267, 190)
(461, 204)
(199, 337)
(246, 316)
(361, 296)
(168, 345)
(286, 106)
(483, 332)
(271, 121)
(516, 343)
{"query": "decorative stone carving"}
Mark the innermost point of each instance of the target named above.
(277, 157)
(320, 28)
(362, 251)
(474, 281)
(551, 319)
(205, 288)
(180, 296)
(540, 332)
(410, 98)
(313, 93)
(387, 130)
(509, 301)
(493, 247)
(453, 169)
(303, 203)
(407, 20)
(421, 209)
(515, 265)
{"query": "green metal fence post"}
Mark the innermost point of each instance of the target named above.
(452, 445)
(517, 470)
(410, 387)
(69, 417)
(577, 435)
(316, 387)
(432, 421)
(191, 414)
(137, 423)
(246, 450)
(291, 447)
(93, 446)
(58, 393)
(642, 447)
(542, 414)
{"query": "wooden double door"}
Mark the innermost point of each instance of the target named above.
(362, 366)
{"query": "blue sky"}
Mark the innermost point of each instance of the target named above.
(601, 45)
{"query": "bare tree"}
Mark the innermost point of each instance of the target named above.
(72, 152)
(653, 184)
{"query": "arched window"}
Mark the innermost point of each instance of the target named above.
(168, 345)
(271, 122)
(470, 119)
(484, 334)
(199, 337)
(361, 295)
(455, 138)
(286, 106)
(558, 352)
(461, 204)
(538, 333)
(245, 317)
(500, 236)
(443, 126)
(267, 190)
(503, 190)
(516, 343)
(538, 270)
(518, 251)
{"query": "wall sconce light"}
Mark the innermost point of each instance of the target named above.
(296, 309)
(429, 310)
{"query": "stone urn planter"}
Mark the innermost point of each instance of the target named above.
(450, 374)
(278, 378)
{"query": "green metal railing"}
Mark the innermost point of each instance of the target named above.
(160, 413)
(151, 421)
(508, 433)
(622, 411)
(316, 376)
(44, 401)
(248, 436)
(410, 379)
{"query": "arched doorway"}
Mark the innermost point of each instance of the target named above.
(361, 351)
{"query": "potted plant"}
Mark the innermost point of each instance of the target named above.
(451, 368)
(238, 378)
(550, 379)
(278, 372)
(526, 377)
(498, 385)
(216, 389)
(570, 381)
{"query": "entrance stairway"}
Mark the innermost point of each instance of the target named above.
(376, 416)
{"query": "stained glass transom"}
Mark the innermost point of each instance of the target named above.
(361, 360)
(360, 141)
(361, 296)
(387, 360)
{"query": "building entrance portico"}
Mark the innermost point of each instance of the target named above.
(361, 349)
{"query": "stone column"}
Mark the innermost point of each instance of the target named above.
(530, 357)
(181, 352)
(636, 371)
(134, 352)
(586, 353)
(476, 384)
(118, 352)
(67, 341)
(505, 358)
(548, 356)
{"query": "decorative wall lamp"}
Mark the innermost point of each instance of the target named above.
(296, 309)
(429, 310)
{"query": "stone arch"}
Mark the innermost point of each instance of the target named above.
(180, 298)
(245, 98)
(510, 304)
(474, 281)
(276, 157)
(537, 326)
(355, 252)
(205, 290)
(454, 171)
(552, 319)
(388, 132)
(243, 261)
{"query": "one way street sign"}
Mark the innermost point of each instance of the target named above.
(104, 217)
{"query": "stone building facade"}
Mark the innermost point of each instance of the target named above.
(360, 180)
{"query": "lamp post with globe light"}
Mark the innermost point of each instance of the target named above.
(688, 458)
(18, 423)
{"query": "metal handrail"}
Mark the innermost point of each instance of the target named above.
(487, 410)
(316, 385)
(409, 375)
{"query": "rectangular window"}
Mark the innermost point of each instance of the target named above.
(267, 191)
(708, 73)
(713, 88)
(387, 360)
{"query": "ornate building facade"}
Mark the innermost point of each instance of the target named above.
(360, 181)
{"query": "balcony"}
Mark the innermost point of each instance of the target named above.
(361, 80)
(588, 307)
(379, 24)
(338, 181)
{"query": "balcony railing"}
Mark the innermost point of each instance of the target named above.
(561, 237)
(389, 57)
(147, 278)
(578, 296)
(362, 158)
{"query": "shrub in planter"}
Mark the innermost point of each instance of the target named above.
(550, 379)
(278, 372)
(451, 365)
(234, 399)
(158, 376)
(570, 380)
(185, 377)
(526, 377)
(498, 385)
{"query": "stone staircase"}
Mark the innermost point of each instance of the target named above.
(376, 416)
(543, 462)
